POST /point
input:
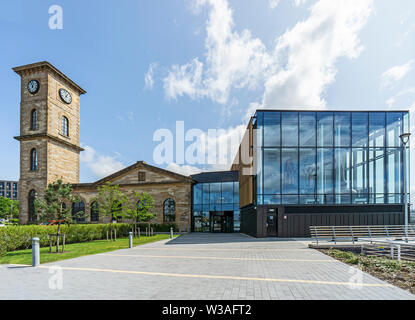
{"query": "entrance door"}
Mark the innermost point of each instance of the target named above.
(221, 222)
(272, 224)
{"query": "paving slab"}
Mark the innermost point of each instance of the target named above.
(202, 267)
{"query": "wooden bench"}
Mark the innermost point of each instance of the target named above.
(353, 233)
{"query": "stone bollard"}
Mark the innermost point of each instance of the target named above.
(35, 252)
(131, 240)
(171, 233)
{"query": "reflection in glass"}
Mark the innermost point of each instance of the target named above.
(272, 171)
(307, 129)
(289, 160)
(377, 129)
(360, 129)
(324, 171)
(215, 193)
(359, 176)
(289, 122)
(307, 171)
(394, 129)
(272, 127)
(342, 170)
(236, 193)
(325, 129)
(274, 199)
(394, 178)
(206, 193)
(376, 171)
(227, 192)
(342, 129)
(197, 194)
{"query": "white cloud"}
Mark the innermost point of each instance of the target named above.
(294, 73)
(391, 101)
(185, 170)
(273, 3)
(149, 76)
(99, 164)
(395, 74)
(306, 54)
(233, 60)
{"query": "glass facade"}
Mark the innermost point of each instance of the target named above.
(330, 157)
(216, 207)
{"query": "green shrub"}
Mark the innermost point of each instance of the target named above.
(14, 238)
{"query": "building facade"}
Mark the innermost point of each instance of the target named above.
(215, 202)
(322, 168)
(8, 189)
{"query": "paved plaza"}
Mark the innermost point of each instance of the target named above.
(198, 267)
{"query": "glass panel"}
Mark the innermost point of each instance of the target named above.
(236, 221)
(289, 171)
(307, 129)
(377, 123)
(274, 199)
(394, 178)
(325, 129)
(308, 199)
(376, 171)
(227, 192)
(197, 194)
(206, 193)
(359, 176)
(324, 171)
(307, 171)
(360, 123)
(325, 199)
(289, 122)
(342, 170)
(236, 193)
(272, 127)
(215, 193)
(289, 199)
(342, 127)
(260, 172)
(342, 199)
(272, 181)
(394, 129)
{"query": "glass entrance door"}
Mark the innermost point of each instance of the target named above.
(221, 222)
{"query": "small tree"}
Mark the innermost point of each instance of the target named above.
(142, 209)
(9, 209)
(112, 203)
(53, 206)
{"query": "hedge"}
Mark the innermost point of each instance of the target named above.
(14, 238)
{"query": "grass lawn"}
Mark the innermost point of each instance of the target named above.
(76, 250)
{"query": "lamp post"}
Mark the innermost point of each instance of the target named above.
(405, 139)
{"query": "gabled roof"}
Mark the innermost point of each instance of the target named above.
(141, 164)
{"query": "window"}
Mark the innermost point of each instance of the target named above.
(141, 176)
(289, 121)
(31, 200)
(33, 160)
(360, 129)
(272, 171)
(325, 129)
(272, 129)
(342, 130)
(307, 129)
(289, 160)
(169, 211)
(94, 212)
(33, 120)
(65, 126)
(78, 208)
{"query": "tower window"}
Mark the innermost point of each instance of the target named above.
(141, 176)
(33, 120)
(65, 126)
(33, 160)
(32, 213)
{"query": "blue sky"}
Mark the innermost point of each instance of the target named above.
(209, 63)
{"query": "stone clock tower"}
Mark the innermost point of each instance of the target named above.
(49, 132)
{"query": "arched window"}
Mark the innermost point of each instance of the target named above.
(31, 205)
(65, 126)
(94, 212)
(78, 207)
(116, 211)
(33, 120)
(33, 160)
(63, 206)
(169, 211)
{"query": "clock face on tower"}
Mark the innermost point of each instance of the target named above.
(65, 96)
(33, 86)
